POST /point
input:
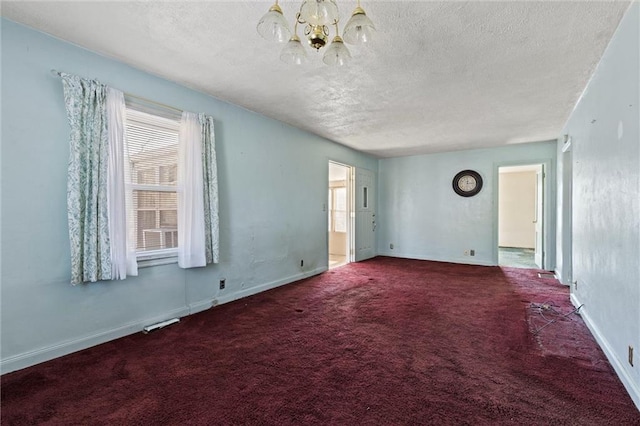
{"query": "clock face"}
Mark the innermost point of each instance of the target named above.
(467, 183)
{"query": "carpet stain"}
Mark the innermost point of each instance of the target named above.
(421, 343)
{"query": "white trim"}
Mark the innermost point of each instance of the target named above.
(550, 183)
(459, 260)
(146, 263)
(632, 388)
(200, 306)
(149, 113)
(27, 359)
(268, 286)
(147, 258)
(558, 275)
(30, 358)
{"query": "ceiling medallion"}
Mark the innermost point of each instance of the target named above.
(317, 16)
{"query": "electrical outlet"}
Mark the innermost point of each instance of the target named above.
(302, 263)
(391, 246)
(575, 285)
(223, 282)
(631, 355)
(472, 252)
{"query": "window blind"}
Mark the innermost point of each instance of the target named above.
(151, 175)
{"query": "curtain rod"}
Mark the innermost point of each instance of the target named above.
(57, 73)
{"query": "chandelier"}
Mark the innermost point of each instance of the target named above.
(317, 16)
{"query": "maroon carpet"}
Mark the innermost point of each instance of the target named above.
(387, 341)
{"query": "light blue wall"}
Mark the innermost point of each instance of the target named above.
(424, 219)
(605, 132)
(273, 184)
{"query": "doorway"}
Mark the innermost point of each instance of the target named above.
(521, 216)
(340, 214)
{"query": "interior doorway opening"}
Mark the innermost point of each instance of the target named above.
(340, 215)
(521, 216)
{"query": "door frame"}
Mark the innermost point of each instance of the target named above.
(539, 225)
(566, 249)
(350, 212)
(548, 237)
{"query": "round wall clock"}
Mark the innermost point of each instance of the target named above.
(467, 183)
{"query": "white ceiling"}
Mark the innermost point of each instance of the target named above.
(439, 76)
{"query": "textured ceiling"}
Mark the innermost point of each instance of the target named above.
(439, 75)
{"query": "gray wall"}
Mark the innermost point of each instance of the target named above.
(424, 219)
(605, 132)
(272, 181)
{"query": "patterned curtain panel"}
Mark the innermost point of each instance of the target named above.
(87, 180)
(210, 175)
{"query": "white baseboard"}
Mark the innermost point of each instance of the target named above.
(632, 387)
(468, 260)
(27, 359)
(558, 275)
(203, 305)
(268, 286)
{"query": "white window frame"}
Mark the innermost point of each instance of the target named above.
(145, 255)
(162, 256)
(332, 208)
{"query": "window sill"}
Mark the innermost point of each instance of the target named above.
(156, 258)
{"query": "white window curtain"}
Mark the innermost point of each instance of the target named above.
(198, 192)
(102, 245)
(191, 241)
(123, 255)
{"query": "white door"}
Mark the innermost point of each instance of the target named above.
(539, 253)
(365, 200)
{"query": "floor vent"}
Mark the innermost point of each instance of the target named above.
(547, 275)
(159, 325)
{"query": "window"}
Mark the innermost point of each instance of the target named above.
(365, 197)
(338, 209)
(151, 175)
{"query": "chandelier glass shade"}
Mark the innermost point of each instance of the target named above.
(337, 53)
(317, 17)
(293, 52)
(273, 26)
(316, 12)
(359, 29)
